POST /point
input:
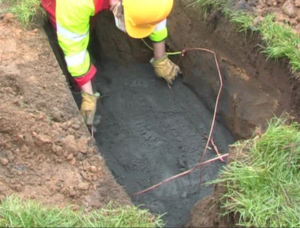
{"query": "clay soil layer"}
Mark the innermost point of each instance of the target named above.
(46, 153)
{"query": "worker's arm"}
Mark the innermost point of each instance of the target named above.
(163, 67)
(159, 49)
(72, 22)
(87, 87)
(73, 38)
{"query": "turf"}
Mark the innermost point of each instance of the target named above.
(263, 183)
(24, 10)
(17, 213)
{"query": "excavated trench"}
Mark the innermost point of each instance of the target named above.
(149, 132)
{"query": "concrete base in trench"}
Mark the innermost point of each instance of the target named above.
(149, 133)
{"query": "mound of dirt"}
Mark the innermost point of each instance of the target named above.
(46, 152)
(206, 213)
(285, 11)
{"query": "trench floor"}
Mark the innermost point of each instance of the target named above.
(148, 133)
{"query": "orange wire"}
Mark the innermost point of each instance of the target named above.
(200, 165)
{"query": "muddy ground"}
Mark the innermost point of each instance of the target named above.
(149, 133)
(46, 152)
(254, 89)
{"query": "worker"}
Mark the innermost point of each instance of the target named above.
(138, 18)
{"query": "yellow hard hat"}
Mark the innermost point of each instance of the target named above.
(142, 16)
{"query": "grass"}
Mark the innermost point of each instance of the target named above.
(207, 6)
(243, 21)
(279, 40)
(24, 10)
(17, 213)
(263, 184)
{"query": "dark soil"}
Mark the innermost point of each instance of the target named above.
(254, 89)
(149, 133)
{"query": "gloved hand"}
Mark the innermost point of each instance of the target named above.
(88, 107)
(165, 68)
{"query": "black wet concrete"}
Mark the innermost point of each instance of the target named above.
(149, 133)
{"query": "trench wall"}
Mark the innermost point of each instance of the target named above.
(254, 89)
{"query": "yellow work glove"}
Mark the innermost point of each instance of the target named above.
(88, 107)
(165, 68)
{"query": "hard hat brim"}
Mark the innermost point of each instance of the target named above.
(138, 32)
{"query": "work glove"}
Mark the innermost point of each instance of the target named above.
(88, 107)
(165, 68)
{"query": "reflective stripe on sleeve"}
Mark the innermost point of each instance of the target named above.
(76, 59)
(70, 35)
(80, 69)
